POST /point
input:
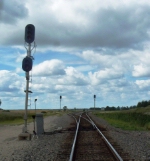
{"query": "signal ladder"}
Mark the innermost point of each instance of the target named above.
(29, 96)
(29, 92)
(30, 83)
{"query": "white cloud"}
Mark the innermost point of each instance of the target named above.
(105, 75)
(143, 84)
(141, 66)
(102, 60)
(19, 70)
(11, 82)
(110, 39)
(84, 68)
(49, 68)
(141, 71)
(73, 77)
(76, 24)
(9, 14)
(20, 57)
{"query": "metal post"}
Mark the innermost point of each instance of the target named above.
(94, 101)
(34, 124)
(33, 116)
(35, 105)
(27, 88)
(60, 102)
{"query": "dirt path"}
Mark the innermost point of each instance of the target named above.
(8, 132)
(9, 142)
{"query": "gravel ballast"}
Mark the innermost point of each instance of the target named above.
(47, 147)
(135, 143)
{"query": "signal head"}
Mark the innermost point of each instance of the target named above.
(29, 33)
(27, 64)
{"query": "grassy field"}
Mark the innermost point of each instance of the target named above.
(135, 119)
(15, 117)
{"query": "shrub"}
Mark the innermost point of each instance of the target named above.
(43, 112)
(6, 111)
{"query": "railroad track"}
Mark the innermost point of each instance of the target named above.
(86, 142)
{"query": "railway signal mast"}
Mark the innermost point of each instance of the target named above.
(94, 100)
(27, 64)
(60, 102)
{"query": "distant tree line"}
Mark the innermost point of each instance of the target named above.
(143, 104)
(113, 108)
(108, 108)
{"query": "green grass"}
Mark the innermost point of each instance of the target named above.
(127, 120)
(16, 117)
(144, 110)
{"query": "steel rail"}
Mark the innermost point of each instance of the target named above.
(75, 138)
(108, 143)
(73, 117)
(91, 122)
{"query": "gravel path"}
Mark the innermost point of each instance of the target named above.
(47, 147)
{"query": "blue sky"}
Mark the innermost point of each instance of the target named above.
(82, 48)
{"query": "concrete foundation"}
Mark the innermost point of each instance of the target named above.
(24, 136)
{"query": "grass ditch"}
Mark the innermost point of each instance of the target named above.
(126, 120)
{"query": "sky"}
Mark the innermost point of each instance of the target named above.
(82, 48)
